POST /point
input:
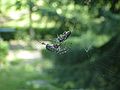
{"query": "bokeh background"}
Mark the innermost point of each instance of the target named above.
(93, 58)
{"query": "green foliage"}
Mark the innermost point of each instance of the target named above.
(21, 75)
(3, 51)
(83, 66)
(92, 61)
(21, 34)
(79, 68)
(7, 33)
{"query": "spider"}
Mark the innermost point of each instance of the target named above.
(57, 46)
(63, 37)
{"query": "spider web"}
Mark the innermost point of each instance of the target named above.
(100, 67)
(103, 69)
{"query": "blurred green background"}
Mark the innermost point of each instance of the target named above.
(92, 61)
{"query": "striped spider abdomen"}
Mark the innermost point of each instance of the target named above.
(64, 36)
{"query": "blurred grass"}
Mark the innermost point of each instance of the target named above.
(3, 51)
(20, 76)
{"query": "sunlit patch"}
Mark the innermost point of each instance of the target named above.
(54, 4)
(24, 54)
(40, 2)
(59, 11)
(14, 15)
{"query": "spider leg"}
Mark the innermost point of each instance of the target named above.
(62, 50)
(42, 43)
